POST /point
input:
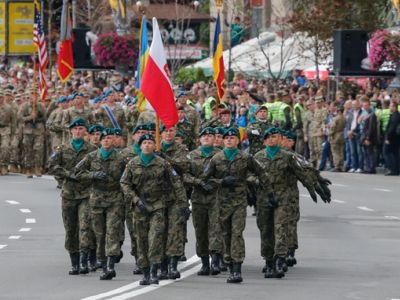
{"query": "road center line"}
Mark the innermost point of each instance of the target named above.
(382, 190)
(3, 246)
(14, 237)
(392, 217)
(339, 184)
(25, 229)
(365, 208)
(30, 221)
(12, 202)
(25, 210)
(135, 284)
(338, 201)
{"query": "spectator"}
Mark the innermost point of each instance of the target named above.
(353, 130)
(392, 141)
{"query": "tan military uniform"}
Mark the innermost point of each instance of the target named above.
(5, 136)
(337, 140)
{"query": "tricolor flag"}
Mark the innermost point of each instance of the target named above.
(119, 6)
(40, 43)
(218, 60)
(65, 59)
(155, 83)
(141, 63)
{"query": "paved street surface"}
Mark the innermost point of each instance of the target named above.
(349, 249)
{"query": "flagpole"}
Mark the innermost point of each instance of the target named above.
(34, 88)
(158, 139)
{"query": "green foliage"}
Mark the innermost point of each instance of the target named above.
(190, 75)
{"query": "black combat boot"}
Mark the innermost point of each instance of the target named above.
(153, 274)
(279, 267)
(291, 260)
(103, 267)
(215, 258)
(83, 268)
(183, 258)
(284, 265)
(264, 269)
(92, 260)
(146, 276)
(173, 268)
(270, 269)
(121, 254)
(136, 269)
(205, 268)
(236, 276)
(164, 270)
(223, 267)
(74, 263)
(110, 271)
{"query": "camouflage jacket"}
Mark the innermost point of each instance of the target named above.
(104, 192)
(152, 183)
(177, 156)
(101, 117)
(54, 122)
(187, 129)
(337, 130)
(62, 163)
(240, 167)
(30, 126)
(255, 134)
(73, 113)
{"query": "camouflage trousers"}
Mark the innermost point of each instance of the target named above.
(293, 218)
(34, 147)
(128, 220)
(106, 224)
(15, 150)
(233, 221)
(338, 156)
(272, 224)
(299, 148)
(150, 231)
(316, 149)
(174, 236)
(75, 214)
(5, 140)
(207, 228)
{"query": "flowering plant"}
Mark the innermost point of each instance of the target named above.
(384, 47)
(111, 50)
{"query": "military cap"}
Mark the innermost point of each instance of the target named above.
(261, 107)
(151, 126)
(95, 128)
(219, 130)
(309, 102)
(292, 135)
(71, 97)
(144, 137)
(17, 97)
(139, 127)
(271, 131)
(1, 93)
(106, 132)
(62, 99)
(231, 131)
(8, 92)
(108, 93)
(179, 134)
(117, 131)
(180, 94)
(77, 122)
(207, 130)
(319, 99)
(162, 128)
(224, 111)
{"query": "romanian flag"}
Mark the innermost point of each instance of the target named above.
(65, 59)
(141, 63)
(119, 6)
(218, 60)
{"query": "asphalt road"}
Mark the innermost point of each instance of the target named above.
(349, 249)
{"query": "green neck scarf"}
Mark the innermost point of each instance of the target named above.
(146, 158)
(105, 154)
(230, 153)
(206, 151)
(77, 144)
(136, 148)
(165, 145)
(272, 151)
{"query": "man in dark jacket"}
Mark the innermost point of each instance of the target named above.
(392, 142)
(369, 137)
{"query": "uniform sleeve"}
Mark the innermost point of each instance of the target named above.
(127, 185)
(55, 165)
(82, 169)
(178, 188)
(299, 121)
(189, 178)
(299, 171)
(256, 168)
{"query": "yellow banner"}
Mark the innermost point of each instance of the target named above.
(20, 38)
(2, 28)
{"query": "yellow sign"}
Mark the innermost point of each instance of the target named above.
(20, 38)
(2, 28)
(219, 3)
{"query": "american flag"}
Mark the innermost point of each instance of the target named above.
(40, 42)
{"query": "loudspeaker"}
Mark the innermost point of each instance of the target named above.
(81, 50)
(349, 49)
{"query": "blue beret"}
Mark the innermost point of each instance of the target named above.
(231, 131)
(207, 130)
(95, 128)
(145, 137)
(77, 122)
(271, 131)
(71, 97)
(62, 99)
(107, 93)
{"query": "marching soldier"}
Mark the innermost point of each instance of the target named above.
(6, 117)
(95, 134)
(255, 131)
(187, 129)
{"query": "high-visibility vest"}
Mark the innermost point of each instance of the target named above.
(275, 107)
(281, 112)
(207, 108)
(302, 112)
(384, 118)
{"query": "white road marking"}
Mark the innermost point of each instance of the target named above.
(128, 287)
(25, 210)
(382, 190)
(392, 217)
(365, 208)
(3, 246)
(25, 229)
(47, 177)
(14, 237)
(12, 202)
(30, 221)
(305, 195)
(339, 184)
(338, 201)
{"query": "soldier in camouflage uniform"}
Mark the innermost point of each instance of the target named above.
(95, 131)
(145, 181)
(229, 169)
(336, 139)
(103, 168)
(55, 125)
(316, 131)
(16, 136)
(255, 131)
(219, 138)
(205, 206)
(6, 117)
(187, 129)
(177, 211)
(75, 198)
(33, 116)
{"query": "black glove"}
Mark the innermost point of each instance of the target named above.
(141, 205)
(312, 193)
(228, 180)
(99, 175)
(326, 190)
(325, 181)
(185, 212)
(206, 187)
(321, 193)
(272, 200)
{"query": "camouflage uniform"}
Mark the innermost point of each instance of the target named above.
(149, 184)
(101, 117)
(337, 140)
(317, 136)
(71, 114)
(189, 134)
(131, 117)
(16, 141)
(255, 133)
(55, 126)
(6, 115)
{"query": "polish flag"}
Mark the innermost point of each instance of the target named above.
(155, 82)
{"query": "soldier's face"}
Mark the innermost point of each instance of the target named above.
(273, 140)
(136, 136)
(107, 142)
(168, 135)
(179, 140)
(148, 146)
(231, 141)
(78, 132)
(95, 138)
(218, 140)
(290, 144)
(262, 114)
(225, 118)
(119, 141)
(181, 114)
(283, 142)
(207, 140)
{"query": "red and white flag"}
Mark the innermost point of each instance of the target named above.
(155, 82)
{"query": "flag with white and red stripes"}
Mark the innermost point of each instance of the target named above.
(40, 43)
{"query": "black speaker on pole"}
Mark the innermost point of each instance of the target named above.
(349, 49)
